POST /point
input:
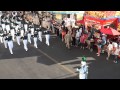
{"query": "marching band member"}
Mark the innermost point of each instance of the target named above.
(19, 20)
(1, 35)
(10, 43)
(0, 15)
(26, 25)
(47, 36)
(40, 34)
(3, 22)
(83, 70)
(25, 42)
(35, 39)
(16, 27)
(12, 31)
(29, 36)
(18, 37)
(5, 39)
(32, 29)
(7, 25)
(22, 32)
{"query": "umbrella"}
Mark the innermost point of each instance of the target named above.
(80, 21)
(109, 31)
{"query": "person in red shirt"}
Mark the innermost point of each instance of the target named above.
(82, 40)
(63, 34)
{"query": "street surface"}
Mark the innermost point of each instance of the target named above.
(53, 62)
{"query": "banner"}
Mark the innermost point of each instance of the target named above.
(92, 20)
(89, 21)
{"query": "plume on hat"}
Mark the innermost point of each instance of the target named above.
(84, 59)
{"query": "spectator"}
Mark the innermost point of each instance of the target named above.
(109, 50)
(68, 39)
(99, 44)
(116, 54)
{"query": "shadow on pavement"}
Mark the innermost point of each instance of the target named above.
(44, 60)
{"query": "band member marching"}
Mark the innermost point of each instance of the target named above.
(10, 43)
(16, 26)
(35, 39)
(40, 34)
(83, 70)
(5, 39)
(25, 42)
(0, 16)
(22, 31)
(26, 25)
(18, 37)
(19, 20)
(3, 22)
(12, 31)
(47, 36)
(29, 35)
(32, 29)
(1, 35)
(7, 25)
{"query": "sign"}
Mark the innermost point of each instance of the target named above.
(79, 16)
(58, 16)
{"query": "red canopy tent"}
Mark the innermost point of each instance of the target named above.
(80, 21)
(109, 31)
(101, 22)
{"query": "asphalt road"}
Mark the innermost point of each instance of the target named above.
(53, 62)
